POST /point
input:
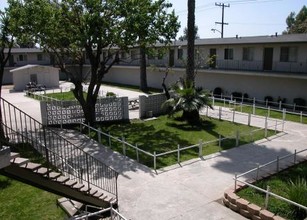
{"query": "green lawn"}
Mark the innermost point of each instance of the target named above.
(57, 95)
(279, 184)
(165, 134)
(22, 201)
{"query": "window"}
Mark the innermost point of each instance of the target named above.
(248, 53)
(39, 57)
(288, 54)
(22, 57)
(180, 54)
(228, 54)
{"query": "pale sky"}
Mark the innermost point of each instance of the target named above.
(245, 17)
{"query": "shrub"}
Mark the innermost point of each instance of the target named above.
(298, 193)
(246, 97)
(110, 94)
(268, 99)
(299, 101)
(217, 92)
(237, 96)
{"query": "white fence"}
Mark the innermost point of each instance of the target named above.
(111, 140)
(114, 215)
(267, 169)
(254, 104)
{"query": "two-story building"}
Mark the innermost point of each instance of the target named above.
(258, 66)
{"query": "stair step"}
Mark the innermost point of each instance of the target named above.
(78, 186)
(13, 155)
(62, 179)
(42, 170)
(53, 175)
(70, 206)
(19, 161)
(85, 189)
(71, 183)
(98, 194)
(31, 166)
(93, 191)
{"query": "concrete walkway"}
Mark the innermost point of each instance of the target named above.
(192, 190)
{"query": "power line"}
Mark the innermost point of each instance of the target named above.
(222, 23)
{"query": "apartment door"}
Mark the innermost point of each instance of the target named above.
(268, 58)
(171, 60)
(212, 58)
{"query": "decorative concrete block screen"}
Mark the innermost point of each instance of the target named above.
(70, 112)
(151, 105)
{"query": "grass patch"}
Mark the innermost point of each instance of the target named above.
(279, 184)
(21, 201)
(264, 112)
(165, 134)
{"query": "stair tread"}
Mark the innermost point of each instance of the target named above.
(42, 170)
(62, 179)
(78, 186)
(19, 161)
(85, 189)
(31, 166)
(93, 191)
(54, 175)
(98, 194)
(70, 206)
(14, 155)
(71, 183)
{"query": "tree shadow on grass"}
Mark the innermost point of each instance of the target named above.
(4, 182)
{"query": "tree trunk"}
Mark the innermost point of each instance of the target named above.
(143, 74)
(191, 116)
(190, 41)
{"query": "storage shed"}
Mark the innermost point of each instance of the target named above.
(44, 75)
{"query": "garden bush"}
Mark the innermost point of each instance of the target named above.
(237, 96)
(299, 102)
(217, 92)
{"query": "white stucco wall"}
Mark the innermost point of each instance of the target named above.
(255, 84)
(46, 75)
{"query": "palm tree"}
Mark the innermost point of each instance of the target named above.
(190, 41)
(188, 99)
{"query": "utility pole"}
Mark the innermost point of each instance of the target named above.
(222, 23)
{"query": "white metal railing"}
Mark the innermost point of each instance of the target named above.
(114, 214)
(254, 104)
(293, 159)
(219, 141)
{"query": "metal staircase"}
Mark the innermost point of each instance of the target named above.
(78, 175)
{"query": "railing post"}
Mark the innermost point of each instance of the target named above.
(279, 105)
(249, 119)
(220, 113)
(124, 145)
(224, 101)
(266, 127)
(266, 203)
(254, 101)
(200, 149)
(294, 156)
(88, 172)
(269, 111)
(294, 105)
(213, 100)
(109, 136)
(241, 107)
(178, 153)
(301, 117)
(284, 112)
(237, 138)
(137, 153)
(233, 115)
(277, 164)
(266, 103)
(155, 160)
(99, 135)
(257, 175)
(236, 177)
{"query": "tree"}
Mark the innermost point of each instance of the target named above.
(188, 99)
(190, 77)
(6, 44)
(185, 34)
(297, 24)
(71, 30)
(151, 23)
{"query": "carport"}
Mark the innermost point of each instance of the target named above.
(44, 75)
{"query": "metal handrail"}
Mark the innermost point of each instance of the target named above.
(31, 130)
